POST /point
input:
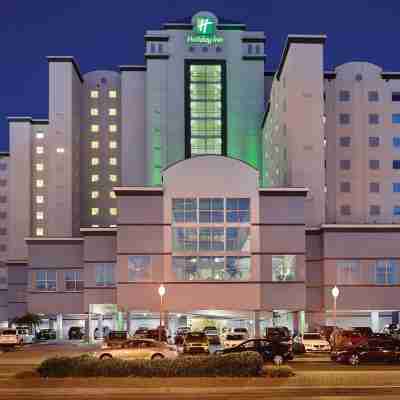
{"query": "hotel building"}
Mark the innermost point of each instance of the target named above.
(248, 194)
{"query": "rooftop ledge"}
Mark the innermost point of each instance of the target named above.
(360, 226)
(283, 191)
(138, 190)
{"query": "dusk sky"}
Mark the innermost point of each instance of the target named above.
(104, 34)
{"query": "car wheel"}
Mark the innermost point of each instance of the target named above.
(157, 356)
(106, 357)
(354, 360)
(278, 360)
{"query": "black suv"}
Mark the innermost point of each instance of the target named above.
(75, 333)
(270, 350)
(46, 334)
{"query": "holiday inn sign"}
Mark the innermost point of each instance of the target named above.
(204, 31)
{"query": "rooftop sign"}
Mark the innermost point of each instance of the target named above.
(204, 30)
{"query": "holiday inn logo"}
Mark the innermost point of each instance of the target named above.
(205, 26)
(204, 31)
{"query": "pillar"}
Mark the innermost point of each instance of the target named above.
(88, 334)
(256, 324)
(296, 322)
(100, 326)
(375, 321)
(59, 325)
(128, 322)
(395, 317)
(52, 323)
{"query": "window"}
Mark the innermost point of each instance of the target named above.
(112, 94)
(139, 268)
(39, 149)
(284, 268)
(345, 164)
(113, 178)
(396, 96)
(345, 187)
(94, 211)
(112, 128)
(396, 142)
(73, 281)
(113, 144)
(238, 210)
(374, 164)
(396, 187)
(344, 119)
(112, 161)
(95, 161)
(258, 48)
(395, 118)
(211, 239)
(373, 141)
(374, 187)
(39, 167)
(39, 199)
(94, 94)
(237, 239)
(95, 178)
(94, 112)
(396, 210)
(112, 195)
(345, 210)
(249, 48)
(95, 194)
(105, 274)
(211, 210)
(39, 183)
(46, 280)
(160, 48)
(60, 150)
(184, 210)
(94, 128)
(39, 215)
(113, 211)
(112, 112)
(348, 272)
(3, 278)
(184, 239)
(94, 144)
(237, 268)
(374, 210)
(386, 272)
(396, 164)
(344, 95)
(39, 135)
(345, 141)
(373, 119)
(152, 48)
(373, 96)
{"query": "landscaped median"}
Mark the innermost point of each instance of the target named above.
(247, 364)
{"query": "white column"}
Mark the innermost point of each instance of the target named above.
(128, 322)
(88, 333)
(375, 321)
(60, 333)
(100, 326)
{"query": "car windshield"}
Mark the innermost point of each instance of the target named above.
(196, 337)
(234, 337)
(243, 330)
(312, 336)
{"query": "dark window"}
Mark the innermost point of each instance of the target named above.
(344, 95)
(395, 96)
(250, 48)
(373, 141)
(3, 182)
(373, 96)
(345, 164)
(344, 119)
(374, 187)
(257, 49)
(396, 164)
(152, 48)
(218, 49)
(373, 119)
(374, 210)
(373, 164)
(160, 48)
(345, 141)
(396, 142)
(345, 210)
(345, 187)
(358, 77)
(3, 199)
(3, 166)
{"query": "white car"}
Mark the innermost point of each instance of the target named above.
(9, 338)
(233, 339)
(138, 349)
(25, 333)
(314, 342)
(241, 331)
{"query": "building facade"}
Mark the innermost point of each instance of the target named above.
(248, 194)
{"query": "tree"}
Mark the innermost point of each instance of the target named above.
(28, 319)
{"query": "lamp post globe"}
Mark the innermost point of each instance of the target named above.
(161, 290)
(335, 292)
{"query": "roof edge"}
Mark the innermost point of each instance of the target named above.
(70, 59)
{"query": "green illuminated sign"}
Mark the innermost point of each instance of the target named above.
(204, 31)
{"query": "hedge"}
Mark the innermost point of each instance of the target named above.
(233, 365)
(281, 371)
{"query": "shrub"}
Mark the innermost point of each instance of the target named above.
(240, 364)
(281, 371)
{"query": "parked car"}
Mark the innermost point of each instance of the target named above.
(326, 331)
(232, 339)
(210, 330)
(46, 334)
(76, 333)
(365, 331)
(9, 339)
(196, 342)
(213, 339)
(115, 339)
(138, 349)
(370, 350)
(141, 332)
(241, 331)
(180, 335)
(313, 342)
(25, 333)
(106, 332)
(279, 331)
(270, 350)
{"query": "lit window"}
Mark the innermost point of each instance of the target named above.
(112, 195)
(39, 231)
(113, 144)
(39, 135)
(95, 178)
(113, 178)
(112, 94)
(95, 194)
(113, 161)
(39, 199)
(283, 268)
(94, 144)
(94, 112)
(95, 161)
(94, 128)
(60, 150)
(39, 167)
(95, 211)
(94, 94)
(39, 215)
(39, 149)
(112, 112)
(113, 211)
(395, 118)
(112, 128)
(95, 226)
(113, 226)
(39, 183)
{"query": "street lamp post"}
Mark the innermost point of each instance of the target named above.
(161, 292)
(335, 294)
